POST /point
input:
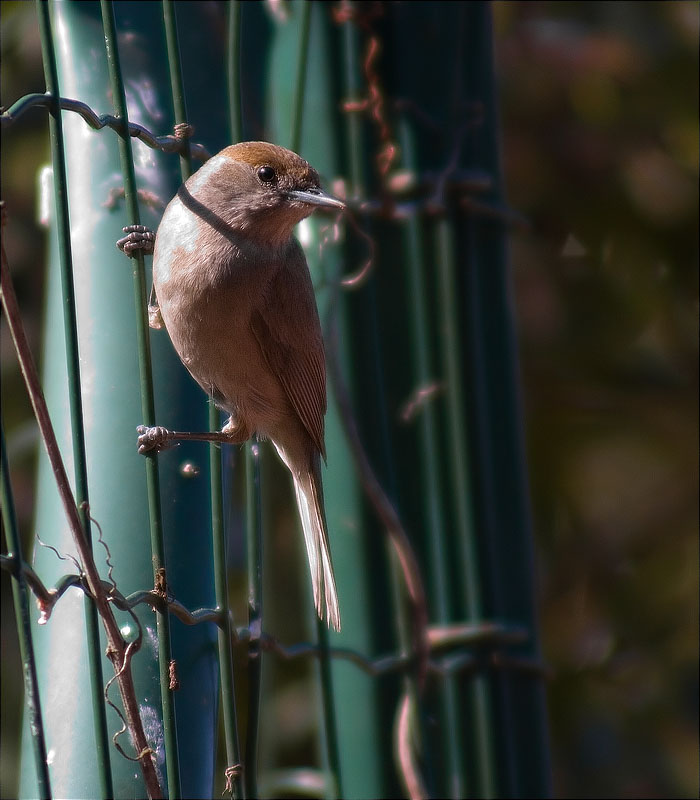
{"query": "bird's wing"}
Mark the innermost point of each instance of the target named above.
(288, 330)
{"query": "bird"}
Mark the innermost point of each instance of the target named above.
(234, 292)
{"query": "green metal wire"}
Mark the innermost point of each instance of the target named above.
(428, 437)
(74, 389)
(233, 69)
(335, 786)
(215, 468)
(329, 718)
(352, 121)
(254, 539)
(225, 641)
(300, 82)
(176, 82)
(147, 400)
(460, 475)
(228, 696)
(252, 463)
(354, 158)
(524, 751)
(20, 594)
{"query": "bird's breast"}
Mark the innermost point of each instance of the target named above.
(207, 291)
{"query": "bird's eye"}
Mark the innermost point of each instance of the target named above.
(266, 174)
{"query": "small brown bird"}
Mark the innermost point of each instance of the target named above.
(236, 297)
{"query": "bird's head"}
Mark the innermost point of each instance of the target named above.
(262, 189)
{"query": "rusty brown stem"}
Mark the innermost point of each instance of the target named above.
(116, 650)
(380, 502)
(404, 750)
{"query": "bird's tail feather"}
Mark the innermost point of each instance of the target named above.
(313, 521)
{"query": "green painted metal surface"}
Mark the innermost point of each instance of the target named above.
(502, 489)
(23, 610)
(355, 693)
(102, 754)
(112, 410)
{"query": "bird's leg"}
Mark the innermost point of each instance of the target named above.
(155, 318)
(139, 237)
(159, 438)
(237, 430)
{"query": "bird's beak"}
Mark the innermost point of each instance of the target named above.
(315, 197)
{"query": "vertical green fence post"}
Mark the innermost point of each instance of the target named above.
(148, 410)
(102, 754)
(112, 410)
(499, 447)
(449, 124)
(354, 692)
(23, 603)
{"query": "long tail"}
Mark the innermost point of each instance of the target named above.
(313, 520)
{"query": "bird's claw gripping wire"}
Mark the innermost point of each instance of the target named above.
(138, 237)
(155, 439)
(158, 438)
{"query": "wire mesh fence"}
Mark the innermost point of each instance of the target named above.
(434, 685)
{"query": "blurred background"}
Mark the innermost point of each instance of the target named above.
(600, 142)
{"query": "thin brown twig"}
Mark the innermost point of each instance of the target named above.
(403, 731)
(66, 557)
(100, 538)
(419, 398)
(374, 103)
(380, 502)
(331, 234)
(44, 597)
(117, 649)
(360, 276)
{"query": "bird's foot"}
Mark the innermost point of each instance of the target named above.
(155, 319)
(236, 430)
(159, 438)
(138, 237)
(156, 438)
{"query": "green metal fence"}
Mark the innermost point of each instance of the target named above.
(434, 687)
